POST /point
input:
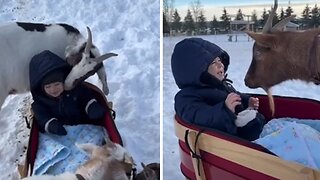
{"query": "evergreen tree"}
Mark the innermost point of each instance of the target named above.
(264, 18)
(202, 24)
(239, 15)
(196, 9)
(282, 16)
(306, 16)
(214, 24)
(166, 9)
(176, 24)
(314, 22)
(166, 28)
(189, 25)
(254, 19)
(225, 19)
(275, 19)
(289, 11)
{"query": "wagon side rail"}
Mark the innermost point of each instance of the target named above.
(245, 156)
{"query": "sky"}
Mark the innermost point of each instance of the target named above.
(215, 7)
(121, 27)
(240, 58)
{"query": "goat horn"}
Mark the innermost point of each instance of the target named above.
(143, 165)
(89, 42)
(268, 26)
(282, 23)
(104, 57)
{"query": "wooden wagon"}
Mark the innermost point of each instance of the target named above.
(210, 154)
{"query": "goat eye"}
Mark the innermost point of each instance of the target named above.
(257, 54)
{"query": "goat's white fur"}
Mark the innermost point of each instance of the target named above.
(18, 46)
(105, 159)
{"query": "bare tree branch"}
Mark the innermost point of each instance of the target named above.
(196, 8)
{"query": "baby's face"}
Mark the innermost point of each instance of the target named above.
(216, 68)
(54, 89)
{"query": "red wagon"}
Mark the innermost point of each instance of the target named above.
(107, 123)
(210, 154)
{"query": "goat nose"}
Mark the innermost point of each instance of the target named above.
(247, 81)
(251, 83)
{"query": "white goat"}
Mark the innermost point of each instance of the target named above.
(108, 162)
(19, 42)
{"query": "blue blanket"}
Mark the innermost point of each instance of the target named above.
(58, 154)
(293, 140)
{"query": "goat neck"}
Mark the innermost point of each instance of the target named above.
(313, 60)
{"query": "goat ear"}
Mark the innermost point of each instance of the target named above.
(74, 59)
(264, 40)
(88, 148)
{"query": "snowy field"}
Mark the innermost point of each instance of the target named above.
(128, 28)
(240, 57)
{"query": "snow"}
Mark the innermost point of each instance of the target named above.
(240, 57)
(130, 29)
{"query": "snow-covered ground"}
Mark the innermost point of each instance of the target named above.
(241, 54)
(128, 28)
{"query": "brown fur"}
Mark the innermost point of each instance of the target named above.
(104, 164)
(149, 172)
(281, 56)
(108, 168)
(271, 102)
(107, 162)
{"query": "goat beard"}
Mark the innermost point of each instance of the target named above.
(271, 101)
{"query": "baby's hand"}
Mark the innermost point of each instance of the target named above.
(232, 101)
(254, 102)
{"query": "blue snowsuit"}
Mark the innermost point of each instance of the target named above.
(71, 108)
(201, 100)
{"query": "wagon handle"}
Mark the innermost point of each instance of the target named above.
(196, 158)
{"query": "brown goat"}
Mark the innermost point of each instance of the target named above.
(111, 161)
(279, 56)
